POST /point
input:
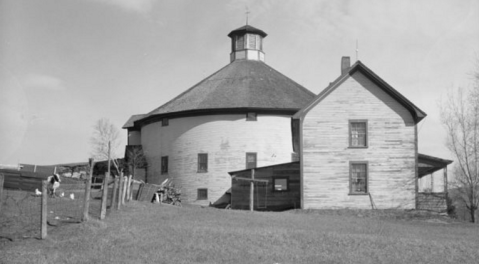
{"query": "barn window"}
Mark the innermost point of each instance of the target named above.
(164, 164)
(164, 122)
(358, 177)
(251, 116)
(250, 160)
(202, 194)
(280, 184)
(202, 162)
(358, 133)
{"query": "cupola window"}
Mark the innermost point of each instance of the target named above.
(240, 43)
(252, 41)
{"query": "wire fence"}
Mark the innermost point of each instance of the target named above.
(21, 209)
(20, 214)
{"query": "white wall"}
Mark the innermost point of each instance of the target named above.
(226, 139)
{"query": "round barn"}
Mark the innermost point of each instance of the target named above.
(239, 117)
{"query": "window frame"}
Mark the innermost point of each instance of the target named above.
(199, 190)
(251, 116)
(351, 164)
(164, 166)
(165, 122)
(255, 160)
(200, 170)
(280, 178)
(350, 135)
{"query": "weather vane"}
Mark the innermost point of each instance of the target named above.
(247, 14)
(357, 50)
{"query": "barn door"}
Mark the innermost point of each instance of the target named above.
(260, 195)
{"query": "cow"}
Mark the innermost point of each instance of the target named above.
(53, 184)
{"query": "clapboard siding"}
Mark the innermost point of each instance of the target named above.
(391, 151)
(225, 138)
(265, 198)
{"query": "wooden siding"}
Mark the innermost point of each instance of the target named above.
(22, 180)
(225, 138)
(391, 151)
(264, 197)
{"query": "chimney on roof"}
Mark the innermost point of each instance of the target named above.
(345, 64)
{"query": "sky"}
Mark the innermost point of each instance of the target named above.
(64, 64)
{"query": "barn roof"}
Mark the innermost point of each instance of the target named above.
(241, 84)
(132, 119)
(417, 113)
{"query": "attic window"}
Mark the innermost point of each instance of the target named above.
(251, 116)
(164, 122)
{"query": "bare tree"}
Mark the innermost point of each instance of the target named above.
(460, 117)
(135, 158)
(105, 142)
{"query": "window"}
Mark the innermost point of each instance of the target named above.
(239, 42)
(358, 177)
(358, 133)
(202, 194)
(252, 41)
(202, 162)
(250, 160)
(164, 164)
(251, 116)
(164, 122)
(280, 184)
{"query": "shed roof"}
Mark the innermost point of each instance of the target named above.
(417, 113)
(240, 84)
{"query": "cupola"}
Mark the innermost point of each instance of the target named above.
(247, 43)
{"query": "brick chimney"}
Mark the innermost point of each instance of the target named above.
(345, 64)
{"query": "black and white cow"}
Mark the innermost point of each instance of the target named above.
(53, 184)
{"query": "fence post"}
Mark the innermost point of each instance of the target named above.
(120, 189)
(115, 193)
(44, 210)
(1, 189)
(128, 189)
(86, 205)
(125, 184)
(251, 192)
(104, 197)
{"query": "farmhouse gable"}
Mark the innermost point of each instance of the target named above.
(357, 142)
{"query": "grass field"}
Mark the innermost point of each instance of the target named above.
(149, 233)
